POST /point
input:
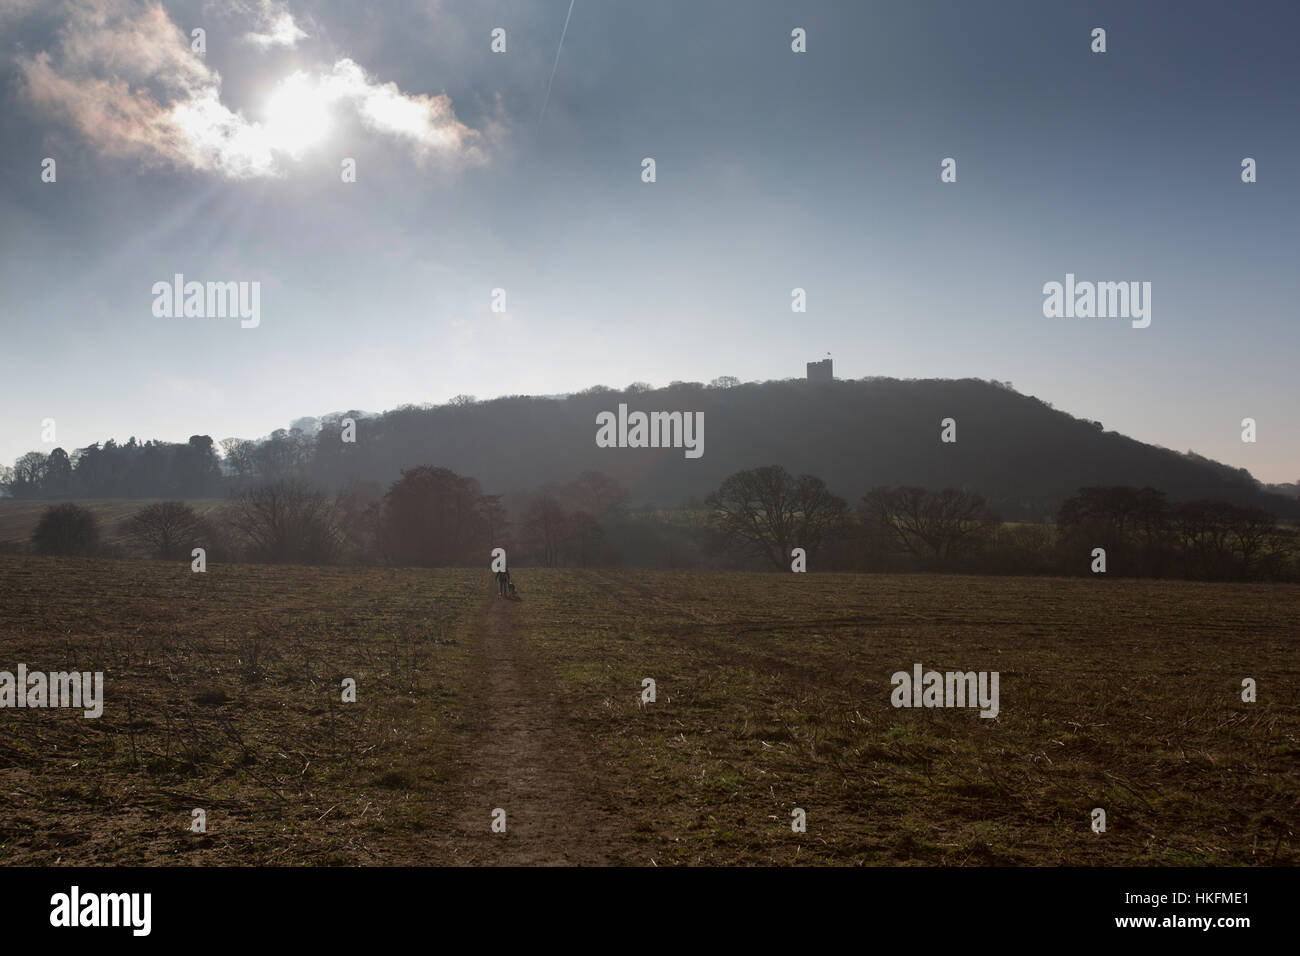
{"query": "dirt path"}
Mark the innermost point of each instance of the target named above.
(530, 762)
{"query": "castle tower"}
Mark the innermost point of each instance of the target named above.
(820, 371)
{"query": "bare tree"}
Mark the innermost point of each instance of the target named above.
(544, 527)
(66, 529)
(1220, 540)
(287, 521)
(167, 529)
(358, 506)
(238, 454)
(496, 522)
(29, 474)
(1255, 534)
(930, 525)
(768, 512)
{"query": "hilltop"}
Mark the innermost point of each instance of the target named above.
(1021, 454)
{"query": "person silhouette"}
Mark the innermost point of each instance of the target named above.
(503, 581)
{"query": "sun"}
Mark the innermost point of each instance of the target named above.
(297, 115)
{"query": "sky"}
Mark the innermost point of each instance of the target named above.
(774, 170)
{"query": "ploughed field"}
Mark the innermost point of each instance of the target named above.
(223, 693)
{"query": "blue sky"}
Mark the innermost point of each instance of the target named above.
(774, 170)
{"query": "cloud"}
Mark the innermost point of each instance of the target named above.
(122, 74)
(427, 123)
(14, 10)
(276, 26)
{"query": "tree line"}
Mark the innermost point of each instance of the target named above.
(150, 469)
(430, 517)
(763, 513)
(434, 517)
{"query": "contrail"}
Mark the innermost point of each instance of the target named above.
(557, 61)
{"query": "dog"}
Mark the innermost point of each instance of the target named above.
(514, 592)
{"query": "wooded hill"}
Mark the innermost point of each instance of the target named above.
(1018, 452)
(1022, 455)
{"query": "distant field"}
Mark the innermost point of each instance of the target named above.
(773, 692)
(18, 517)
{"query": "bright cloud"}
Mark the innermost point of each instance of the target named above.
(277, 27)
(297, 114)
(123, 75)
(428, 123)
